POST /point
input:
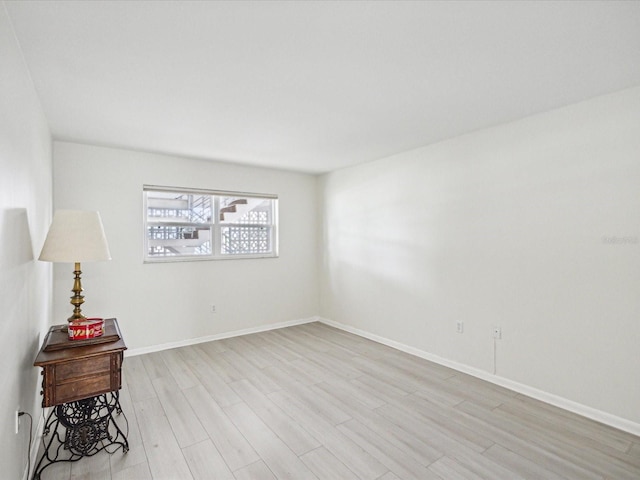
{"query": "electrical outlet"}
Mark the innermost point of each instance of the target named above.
(213, 309)
(497, 332)
(460, 327)
(17, 420)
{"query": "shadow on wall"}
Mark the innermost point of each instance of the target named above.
(15, 239)
(16, 260)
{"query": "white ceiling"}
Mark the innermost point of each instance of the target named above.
(314, 86)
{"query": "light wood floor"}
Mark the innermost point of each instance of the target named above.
(314, 402)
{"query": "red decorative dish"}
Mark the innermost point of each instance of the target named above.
(86, 328)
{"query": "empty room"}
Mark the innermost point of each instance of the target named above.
(370, 240)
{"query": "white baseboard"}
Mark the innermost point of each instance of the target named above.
(561, 402)
(219, 336)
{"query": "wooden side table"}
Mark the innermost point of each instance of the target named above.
(81, 380)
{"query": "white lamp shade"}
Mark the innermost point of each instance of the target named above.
(75, 236)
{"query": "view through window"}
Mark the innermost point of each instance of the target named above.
(198, 224)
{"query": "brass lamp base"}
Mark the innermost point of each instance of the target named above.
(78, 298)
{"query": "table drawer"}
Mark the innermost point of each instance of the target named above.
(86, 387)
(83, 367)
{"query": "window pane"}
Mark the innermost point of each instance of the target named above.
(169, 207)
(245, 240)
(171, 241)
(239, 210)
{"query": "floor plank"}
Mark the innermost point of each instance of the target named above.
(231, 444)
(180, 371)
(274, 452)
(254, 471)
(447, 468)
(391, 456)
(184, 422)
(517, 463)
(205, 462)
(359, 461)
(137, 379)
(164, 454)
(136, 472)
(324, 465)
(291, 433)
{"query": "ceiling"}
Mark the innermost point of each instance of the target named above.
(314, 86)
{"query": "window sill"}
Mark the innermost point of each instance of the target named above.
(207, 259)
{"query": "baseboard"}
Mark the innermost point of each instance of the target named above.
(219, 336)
(555, 400)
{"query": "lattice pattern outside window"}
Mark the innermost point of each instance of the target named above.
(244, 240)
(255, 217)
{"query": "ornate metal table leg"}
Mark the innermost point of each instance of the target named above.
(82, 429)
(120, 437)
(51, 423)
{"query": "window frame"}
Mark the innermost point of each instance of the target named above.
(215, 225)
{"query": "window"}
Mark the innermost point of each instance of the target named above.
(187, 224)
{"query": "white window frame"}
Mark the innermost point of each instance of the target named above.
(215, 225)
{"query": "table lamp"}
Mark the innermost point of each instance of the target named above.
(75, 236)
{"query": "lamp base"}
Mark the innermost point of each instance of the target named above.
(78, 298)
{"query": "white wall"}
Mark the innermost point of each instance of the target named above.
(25, 213)
(533, 226)
(170, 302)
